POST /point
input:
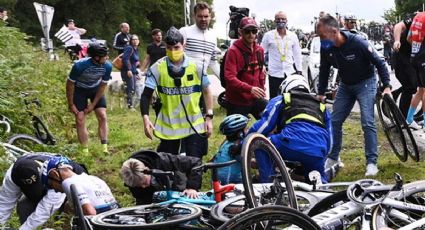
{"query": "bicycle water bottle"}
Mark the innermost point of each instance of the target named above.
(334, 225)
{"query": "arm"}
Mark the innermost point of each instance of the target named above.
(100, 92)
(145, 99)
(231, 70)
(128, 50)
(398, 29)
(82, 31)
(70, 85)
(208, 99)
(146, 63)
(116, 42)
(372, 55)
(328, 122)
(214, 65)
(269, 118)
(9, 195)
(324, 71)
(50, 203)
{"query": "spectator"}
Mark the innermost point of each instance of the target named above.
(142, 186)
(93, 193)
(244, 75)
(74, 43)
(129, 73)
(234, 128)
(404, 71)
(87, 80)
(284, 53)
(180, 83)
(201, 43)
(155, 50)
(303, 128)
(3, 15)
(122, 38)
(22, 187)
(388, 40)
(355, 59)
(416, 37)
(350, 24)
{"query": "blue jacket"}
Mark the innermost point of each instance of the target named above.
(130, 59)
(232, 173)
(355, 61)
(300, 136)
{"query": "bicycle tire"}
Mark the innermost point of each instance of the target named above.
(133, 215)
(42, 132)
(253, 142)
(394, 127)
(270, 215)
(24, 141)
(80, 220)
(414, 193)
(328, 203)
(226, 209)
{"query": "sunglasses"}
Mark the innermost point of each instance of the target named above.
(250, 31)
(352, 22)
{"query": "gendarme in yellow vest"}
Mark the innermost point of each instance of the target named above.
(171, 123)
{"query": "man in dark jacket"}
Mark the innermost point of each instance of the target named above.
(122, 39)
(142, 186)
(244, 74)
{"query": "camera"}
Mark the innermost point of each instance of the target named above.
(236, 14)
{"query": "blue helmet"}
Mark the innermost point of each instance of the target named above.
(232, 124)
(54, 163)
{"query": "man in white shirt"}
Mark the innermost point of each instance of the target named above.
(201, 43)
(75, 42)
(284, 53)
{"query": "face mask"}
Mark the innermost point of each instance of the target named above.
(174, 55)
(280, 25)
(326, 44)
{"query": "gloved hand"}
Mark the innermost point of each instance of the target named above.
(299, 72)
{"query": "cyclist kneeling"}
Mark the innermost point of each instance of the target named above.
(234, 128)
(94, 194)
(143, 186)
(298, 125)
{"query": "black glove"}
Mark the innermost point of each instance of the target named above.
(299, 73)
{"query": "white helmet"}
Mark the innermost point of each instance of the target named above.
(292, 82)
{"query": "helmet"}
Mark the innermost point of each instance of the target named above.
(221, 99)
(294, 81)
(233, 123)
(350, 16)
(97, 49)
(54, 163)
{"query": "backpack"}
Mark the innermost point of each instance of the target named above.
(246, 57)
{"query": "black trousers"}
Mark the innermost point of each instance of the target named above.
(194, 145)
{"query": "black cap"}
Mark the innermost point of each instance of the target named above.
(69, 20)
(26, 174)
(173, 36)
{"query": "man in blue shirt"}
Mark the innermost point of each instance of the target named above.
(88, 80)
(355, 60)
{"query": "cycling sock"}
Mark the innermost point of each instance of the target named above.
(105, 148)
(85, 150)
(410, 114)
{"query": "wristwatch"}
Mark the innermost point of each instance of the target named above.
(209, 115)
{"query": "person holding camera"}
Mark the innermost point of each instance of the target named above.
(284, 52)
(180, 84)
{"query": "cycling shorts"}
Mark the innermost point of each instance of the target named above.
(82, 95)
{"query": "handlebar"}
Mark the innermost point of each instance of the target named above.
(6, 122)
(212, 165)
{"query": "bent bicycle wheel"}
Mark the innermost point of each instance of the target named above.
(386, 216)
(25, 142)
(270, 217)
(42, 132)
(257, 145)
(146, 216)
(392, 124)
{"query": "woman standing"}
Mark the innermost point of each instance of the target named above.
(129, 72)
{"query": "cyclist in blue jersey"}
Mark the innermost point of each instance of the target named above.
(298, 125)
(88, 80)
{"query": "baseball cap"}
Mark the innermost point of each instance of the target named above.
(247, 22)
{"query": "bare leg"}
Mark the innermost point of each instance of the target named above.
(103, 123)
(82, 132)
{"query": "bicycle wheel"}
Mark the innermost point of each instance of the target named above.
(226, 209)
(391, 217)
(42, 132)
(24, 141)
(146, 217)
(79, 221)
(270, 217)
(329, 202)
(392, 125)
(284, 195)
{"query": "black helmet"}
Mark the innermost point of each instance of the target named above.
(97, 49)
(173, 36)
(232, 124)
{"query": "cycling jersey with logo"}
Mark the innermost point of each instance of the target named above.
(89, 75)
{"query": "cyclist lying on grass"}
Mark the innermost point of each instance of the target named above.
(142, 186)
(298, 125)
(94, 194)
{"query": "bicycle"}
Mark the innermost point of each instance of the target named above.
(396, 129)
(175, 209)
(41, 130)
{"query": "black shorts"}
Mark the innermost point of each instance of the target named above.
(419, 65)
(81, 97)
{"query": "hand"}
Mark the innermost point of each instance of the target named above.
(73, 109)
(208, 126)
(299, 73)
(148, 127)
(321, 98)
(396, 46)
(191, 193)
(258, 92)
(89, 108)
(387, 90)
(129, 73)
